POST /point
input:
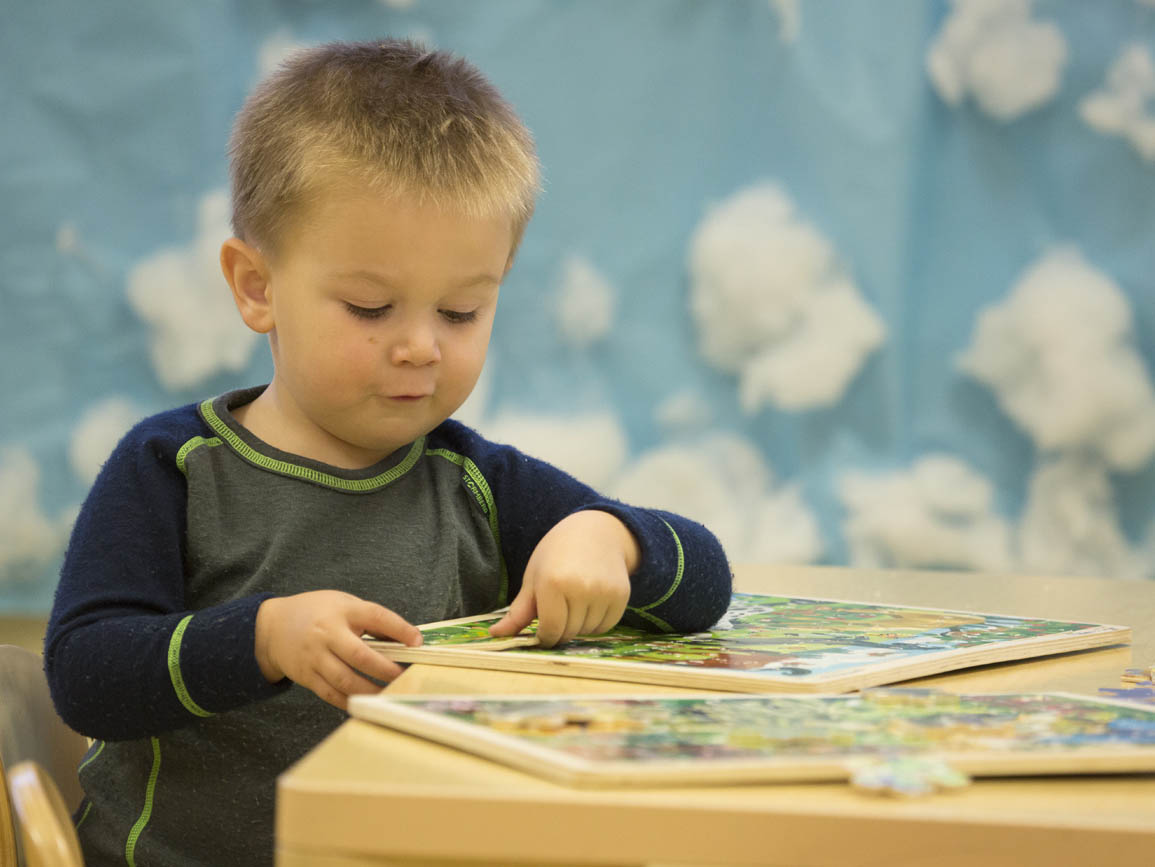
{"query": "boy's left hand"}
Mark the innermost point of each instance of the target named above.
(577, 581)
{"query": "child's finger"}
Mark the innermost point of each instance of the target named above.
(317, 684)
(594, 615)
(611, 619)
(343, 679)
(360, 657)
(380, 621)
(552, 617)
(575, 620)
(520, 614)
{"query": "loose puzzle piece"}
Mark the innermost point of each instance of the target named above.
(1139, 685)
(1142, 694)
(907, 777)
(1141, 676)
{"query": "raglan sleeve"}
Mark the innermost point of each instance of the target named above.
(683, 579)
(123, 655)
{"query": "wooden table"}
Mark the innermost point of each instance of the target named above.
(371, 796)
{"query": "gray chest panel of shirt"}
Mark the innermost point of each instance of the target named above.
(420, 545)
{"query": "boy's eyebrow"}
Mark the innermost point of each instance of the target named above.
(380, 280)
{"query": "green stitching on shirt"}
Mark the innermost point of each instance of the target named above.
(146, 813)
(83, 815)
(644, 610)
(188, 447)
(677, 576)
(308, 473)
(657, 621)
(174, 670)
(91, 758)
(475, 482)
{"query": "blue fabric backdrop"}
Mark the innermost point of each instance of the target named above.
(648, 114)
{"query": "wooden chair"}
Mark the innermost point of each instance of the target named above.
(46, 831)
(9, 854)
(30, 730)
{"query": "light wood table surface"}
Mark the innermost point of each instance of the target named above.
(370, 796)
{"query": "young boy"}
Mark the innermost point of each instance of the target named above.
(207, 628)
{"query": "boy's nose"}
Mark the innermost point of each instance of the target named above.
(417, 346)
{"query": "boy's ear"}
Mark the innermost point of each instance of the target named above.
(247, 273)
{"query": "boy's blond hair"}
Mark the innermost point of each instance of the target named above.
(391, 115)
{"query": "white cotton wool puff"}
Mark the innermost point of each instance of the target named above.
(1125, 106)
(683, 410)
(722, 481)
(994, 51)
(812, 365)
(739, 464)
(936, 515)
(1070, 525)
(27, 535)
(772, 306)
(275, 50)
(97, 434)
(789, 20)
(181, 294)
(584, 304)
(680, 479)
(950, 487)
(67, 239)
(783, 530)
(591, 447)
(1059, 355)
(752, 268)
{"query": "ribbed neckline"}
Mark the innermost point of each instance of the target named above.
(218, 414)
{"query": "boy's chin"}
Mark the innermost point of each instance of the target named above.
(400, 436)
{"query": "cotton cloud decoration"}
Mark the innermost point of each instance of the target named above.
(682, 411)
(994, 51)
(722, 481)
(591, 447)
(937, 514)
(27, 534)
(585, 303)
(789, 20)
(1125, 106)
(1070, 525)
(276, 49)
(180, 293)
(772, 305)
(97, 434)
(1059, 354)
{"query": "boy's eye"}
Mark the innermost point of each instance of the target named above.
(459, 317)
(367, 312)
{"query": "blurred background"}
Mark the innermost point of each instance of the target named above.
(851, 283)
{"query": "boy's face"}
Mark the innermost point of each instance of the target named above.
(382, 310)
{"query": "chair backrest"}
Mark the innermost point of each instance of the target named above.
(9, 856)
(30, 730)
(29, 726)
(46, 831)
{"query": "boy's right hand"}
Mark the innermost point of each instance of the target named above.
(314, 639)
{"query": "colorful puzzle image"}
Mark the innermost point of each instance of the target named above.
(648, 740)
(776, 643)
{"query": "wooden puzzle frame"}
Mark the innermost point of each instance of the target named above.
(892, 643)
(1056, 733)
